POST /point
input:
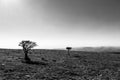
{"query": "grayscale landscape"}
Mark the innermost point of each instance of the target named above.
(59, 39)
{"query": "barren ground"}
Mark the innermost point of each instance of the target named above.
(57, 65)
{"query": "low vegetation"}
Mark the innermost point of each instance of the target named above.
(56, 65)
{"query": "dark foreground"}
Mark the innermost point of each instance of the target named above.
(57, 65)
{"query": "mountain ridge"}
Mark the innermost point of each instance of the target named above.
(97, 49)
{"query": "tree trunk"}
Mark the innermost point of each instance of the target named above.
(27, 59)
(68, 52)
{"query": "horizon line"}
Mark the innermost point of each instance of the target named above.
(67, 46)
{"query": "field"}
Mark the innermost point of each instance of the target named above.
(57, 65)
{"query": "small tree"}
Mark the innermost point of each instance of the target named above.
(27, 45)
(69, 48)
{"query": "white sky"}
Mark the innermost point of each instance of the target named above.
(59, 23)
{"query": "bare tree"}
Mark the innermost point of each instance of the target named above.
(69, 48)
(27, 45)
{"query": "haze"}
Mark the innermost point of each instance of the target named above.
(60, 23)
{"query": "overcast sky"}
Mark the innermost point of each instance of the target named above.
(60, 23)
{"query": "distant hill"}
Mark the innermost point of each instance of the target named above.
(98, 49)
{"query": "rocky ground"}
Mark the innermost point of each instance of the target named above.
(57, 65)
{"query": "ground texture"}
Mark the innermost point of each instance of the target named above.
(57, 65)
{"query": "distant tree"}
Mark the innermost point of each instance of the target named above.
(69, 48)
(27, 45)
